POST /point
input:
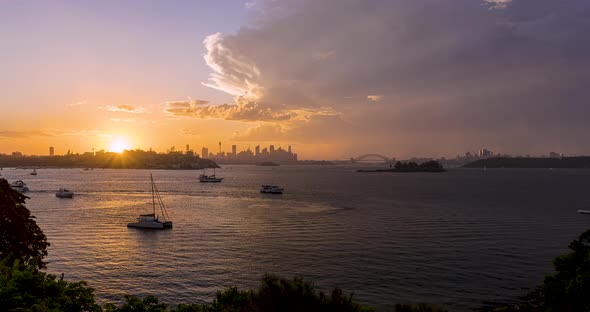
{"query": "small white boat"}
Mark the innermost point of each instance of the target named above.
(584, 211)
(271, 189)
(64, 193)
(19, 186)
(152, 220)
(34, 172)
(209, 178)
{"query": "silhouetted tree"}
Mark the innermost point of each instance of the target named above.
(25, 288)
(569, 288)
(20, 236)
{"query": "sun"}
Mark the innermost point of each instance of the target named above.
(119, 145)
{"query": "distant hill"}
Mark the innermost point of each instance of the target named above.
(136, 159)
(531, 162)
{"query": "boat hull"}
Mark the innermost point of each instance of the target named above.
(21, 189)
(150, 225)
(64, 195)
(210, 180)
(584, 211)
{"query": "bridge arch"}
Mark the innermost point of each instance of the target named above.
(365, 156)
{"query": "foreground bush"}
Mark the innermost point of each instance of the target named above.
(569, 288)
(274, 294)
(24, 288)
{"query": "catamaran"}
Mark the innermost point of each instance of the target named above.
(152, 220)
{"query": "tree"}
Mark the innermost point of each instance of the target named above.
(569, 288)
(20, 236)
(25, 288)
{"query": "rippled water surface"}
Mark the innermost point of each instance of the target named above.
(459, 239)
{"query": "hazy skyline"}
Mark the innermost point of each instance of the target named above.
(332, 78)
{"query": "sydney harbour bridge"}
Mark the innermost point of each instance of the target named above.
(372, 158)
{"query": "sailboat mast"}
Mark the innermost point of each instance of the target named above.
(153, 195)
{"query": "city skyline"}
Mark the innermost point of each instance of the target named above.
(271, 153)
(408, 78)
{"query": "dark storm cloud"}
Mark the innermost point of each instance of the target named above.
(451, 74)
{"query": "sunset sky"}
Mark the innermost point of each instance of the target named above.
(332, 78)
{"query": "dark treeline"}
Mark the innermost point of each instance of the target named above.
(411, 166)
(531, 162)
(431, 165)
(134, 159)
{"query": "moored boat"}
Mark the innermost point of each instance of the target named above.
(204, 178)
(64, 193)
(584, 211)
(19, 186)
(271, 189)
(152, 220)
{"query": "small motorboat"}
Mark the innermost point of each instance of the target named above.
(64, 193)
(584, 211)
(19, 186)
(34, 172)
(271, 189)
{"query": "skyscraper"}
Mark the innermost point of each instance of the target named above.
(234, 149)
(51, 151)
(257, 149)
(272, 149)
(205, 152)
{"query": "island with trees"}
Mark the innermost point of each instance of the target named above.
(427, 166)
(129, 159)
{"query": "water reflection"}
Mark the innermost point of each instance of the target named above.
(461, 238)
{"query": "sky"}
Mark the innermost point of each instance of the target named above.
(333, 78)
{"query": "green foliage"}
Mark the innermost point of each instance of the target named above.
(135, 304)
(569, 288)
(280, 294)
(418, 308)
(275, 294)
(20, 236)
(25, 288)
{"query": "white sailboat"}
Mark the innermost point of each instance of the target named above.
(152, 220)
(209, 178)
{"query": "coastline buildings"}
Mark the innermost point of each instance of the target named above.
(270, 154)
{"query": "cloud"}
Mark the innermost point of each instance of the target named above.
(82, 102)
(449, 75)
(24, 134)
(124, 108)
(244, 110)
(122, 119)
(48, 133)
(374, 98)
(497, 4)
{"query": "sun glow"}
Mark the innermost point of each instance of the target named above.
(119, 145)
